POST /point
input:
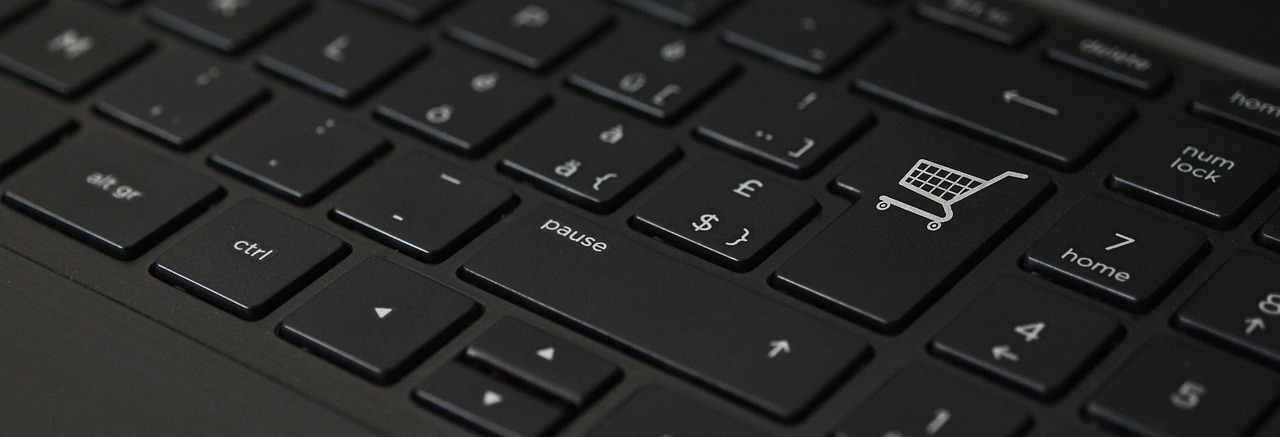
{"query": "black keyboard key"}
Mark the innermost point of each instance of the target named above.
(250, 259)
(1269, 235)
(727, 215)
(1106, 59)
(226, 25)
(180, 99)
(1042, 113)
(815, 36)
(68, 49)
(414, 11)
(422, 207)
(1027, 337)
(28, 125)
(784, 124)
(297, 152)
(1116, 252)
(1239, 307)
(543, 361)
(461, 102)
(341, 54)
(657, 411)
(923, 401)
(534, 34)
(684, 13)
(994, 20)
(378, 320)
(1169, 388)
(110, 193)
(591, 157)
(12, 9)
(1204, 174)
(1248, 108)
(911, 230)
(487, 404)
(615, 288)
(656, 72)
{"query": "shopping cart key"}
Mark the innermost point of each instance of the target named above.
(730, 216)
(927, 209)
(1199, 172)
(1046, 114)
(1239, 307)
(1116, 252)
(1028, 337)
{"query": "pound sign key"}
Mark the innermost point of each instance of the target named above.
(706, 225)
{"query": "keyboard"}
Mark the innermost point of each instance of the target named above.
(664, 217)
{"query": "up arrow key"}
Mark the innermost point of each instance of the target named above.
(490, 398)
(779, 347)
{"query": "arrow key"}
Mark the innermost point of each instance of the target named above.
(486, 403)
(378, 320)
(1239, 307)
(1028, 337)
(542, 360)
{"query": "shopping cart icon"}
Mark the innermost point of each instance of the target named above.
(941, 184)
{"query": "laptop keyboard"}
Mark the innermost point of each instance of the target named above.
(652, 217)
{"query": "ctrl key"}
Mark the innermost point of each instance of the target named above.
(486, 403)
(110, 194)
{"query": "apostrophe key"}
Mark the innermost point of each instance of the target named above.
(297, 152)
(180, 98)
(225, 25)
(68, 49)
(379, 319)
(341, 54)
(110, 193)
(249, 259)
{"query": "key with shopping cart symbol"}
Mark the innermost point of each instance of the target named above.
(941, 184)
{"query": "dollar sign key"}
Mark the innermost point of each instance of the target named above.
(706, 225)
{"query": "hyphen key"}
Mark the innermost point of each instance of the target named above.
(752, 348)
